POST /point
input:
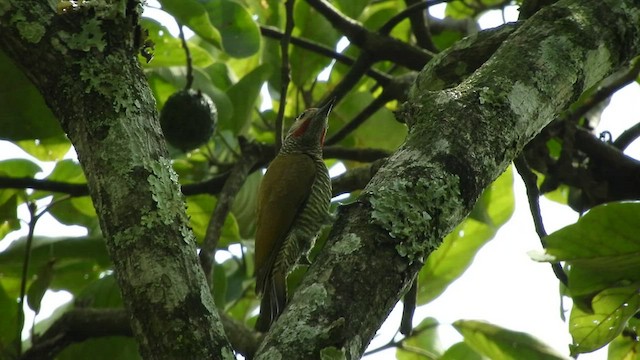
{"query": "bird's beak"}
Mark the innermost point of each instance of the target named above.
(326, 109)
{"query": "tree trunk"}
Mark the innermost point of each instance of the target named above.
(460, 139)
(83, 60)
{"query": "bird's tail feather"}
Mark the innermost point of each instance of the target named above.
(274, 299)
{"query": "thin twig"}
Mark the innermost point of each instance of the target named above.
(237, 177)
(358, 120)
(400, 343)
(627, 137)
(605, 90)
(362, 64)
(408, 308)
(25, 269)
(188, 55)
(212, 186)
(274, 33)
(533, 195)
(399, 17)
(81, 324)
(396, 89)
(285, 75)
(420, 28)
(380, 47)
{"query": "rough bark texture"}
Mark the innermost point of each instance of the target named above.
(460, 140)
(83, 61)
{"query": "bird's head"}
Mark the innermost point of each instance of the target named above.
(310, 128)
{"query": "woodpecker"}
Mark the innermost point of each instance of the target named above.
(293, 204)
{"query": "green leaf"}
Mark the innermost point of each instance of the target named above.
(451, 259)
(19, 168)
(495, 342)
(332, 353)
(626, 346)
(243, 95)
(446, 38)
(352, 8)
(460, 351)
(219, 288)
(65, 250)
(497, 202)
(602, 249)
(24, 112)
(306, 65)
(237, 279)
(47, 149)
(101, 293)
(424, 341)
(39, 286)
(193, 14)
(199, 210)
(458, 10)
(9, 323)
(240, 33)
(168, 49)
(108, 348)
(219, 74)
(244, 205)
(612, 308)
(8, 212)
(75, 211)
(381, 130)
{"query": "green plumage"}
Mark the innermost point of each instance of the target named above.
(293, 203)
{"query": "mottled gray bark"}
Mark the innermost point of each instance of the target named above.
(83, 61)
(460, 140)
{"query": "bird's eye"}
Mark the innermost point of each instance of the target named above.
(304, 114)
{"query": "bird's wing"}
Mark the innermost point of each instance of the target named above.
(284, 190)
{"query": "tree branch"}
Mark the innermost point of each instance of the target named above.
(285, 70)
(419, 25)
(81, 324)
(460, 139)
(100, 95)
(212, 186)
(237, 176)
(274, 33)
(533, 195)
(379, 47)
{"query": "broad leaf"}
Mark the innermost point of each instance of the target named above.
(306, 65)
(240, 33)
(451, 259)
(243, 95)
(458, 249)
(381, 130)
(460, 351)
(424, 341)
(19, 168)
(626, 346)
(199, 210)
(9, 323)
(48, 149)
(168, 49)
(24, 114)
(352, 8)
(497, 203)
(495, 342)
(193, 14)
(74, 262)
(602, 248)
(39, 286)
(612, 308)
